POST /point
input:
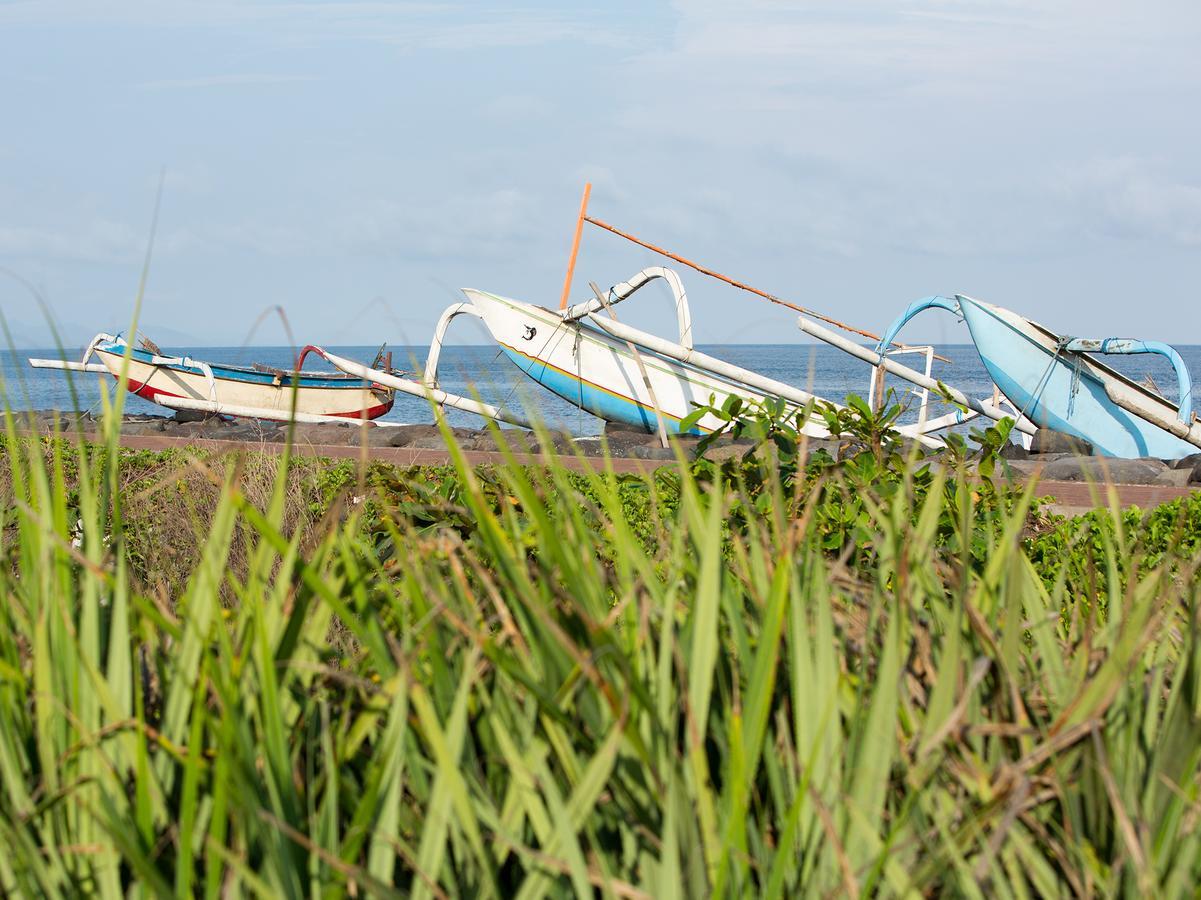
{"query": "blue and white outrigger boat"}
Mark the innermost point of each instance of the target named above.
(1056, 381)
(256, 391)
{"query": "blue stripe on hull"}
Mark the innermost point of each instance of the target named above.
(243, 374)
(599, 402)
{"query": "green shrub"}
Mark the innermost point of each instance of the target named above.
(532, 681)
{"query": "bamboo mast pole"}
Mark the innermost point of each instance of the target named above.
(575, 244)
(704, 270)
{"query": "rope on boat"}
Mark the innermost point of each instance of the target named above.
(704, 270)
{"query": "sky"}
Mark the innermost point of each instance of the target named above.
(355, 163)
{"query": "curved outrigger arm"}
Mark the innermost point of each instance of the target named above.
(156, 359)
(83, 365)
(625, 289)
(1184, 384)
(428, 387)
(917, 306)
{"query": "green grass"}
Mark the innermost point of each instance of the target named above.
(531, 681)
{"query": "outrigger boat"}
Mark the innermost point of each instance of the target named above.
(1057, 382)
(261, 392)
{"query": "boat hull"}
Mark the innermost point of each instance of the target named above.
(323, 394)
(557, 355)
(1065, 391)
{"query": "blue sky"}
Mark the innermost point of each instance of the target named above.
(355, 163)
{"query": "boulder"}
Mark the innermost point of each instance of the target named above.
(659, 452)
(143, 427)
(1048, 441)
(1098, 469)
(1189, 462)
(1023, 468)
(1174, 477)
(1013, 451)
(325, 433)
(622, 442)
(517, 441)
(589, 445)
(686, 442)
(612, 428)
(209, 430)
(425, 437)
(251, 432)
(194, 415)
(718, 452)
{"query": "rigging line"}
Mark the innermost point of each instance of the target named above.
(742, 285)
(1043, 380)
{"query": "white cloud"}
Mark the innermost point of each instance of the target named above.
(1128, 198)
(517, 108)
(410, 25)
(99, 240)
(245, 79)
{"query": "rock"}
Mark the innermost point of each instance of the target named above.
(426, 442)
(1013, 451)
(659, 452)
(1048, 441)
(831, 447)
(250, 431)
(517, 441)
(1098, 469)
(1189, 462)
(612, 428)
(1196, 479)
(210, 429)
(622, 442)
(43, 421)
(719, 452)
(373, 436)
(325, 433)
(686, 442)
(194, 415)
(1023, 468)
(1174, 477)
(429, 435)
(155, 427)
(590, 445)
(561, 441)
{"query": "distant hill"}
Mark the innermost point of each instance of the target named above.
(74, 336)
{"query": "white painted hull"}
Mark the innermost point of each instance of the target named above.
(269, 397)
(599, 373)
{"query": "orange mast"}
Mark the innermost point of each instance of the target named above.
(575, 245)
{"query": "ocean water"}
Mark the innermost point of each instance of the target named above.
(483, 370)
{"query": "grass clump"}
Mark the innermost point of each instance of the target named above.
(536, 681)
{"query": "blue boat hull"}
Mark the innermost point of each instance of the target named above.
(1055, 392)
